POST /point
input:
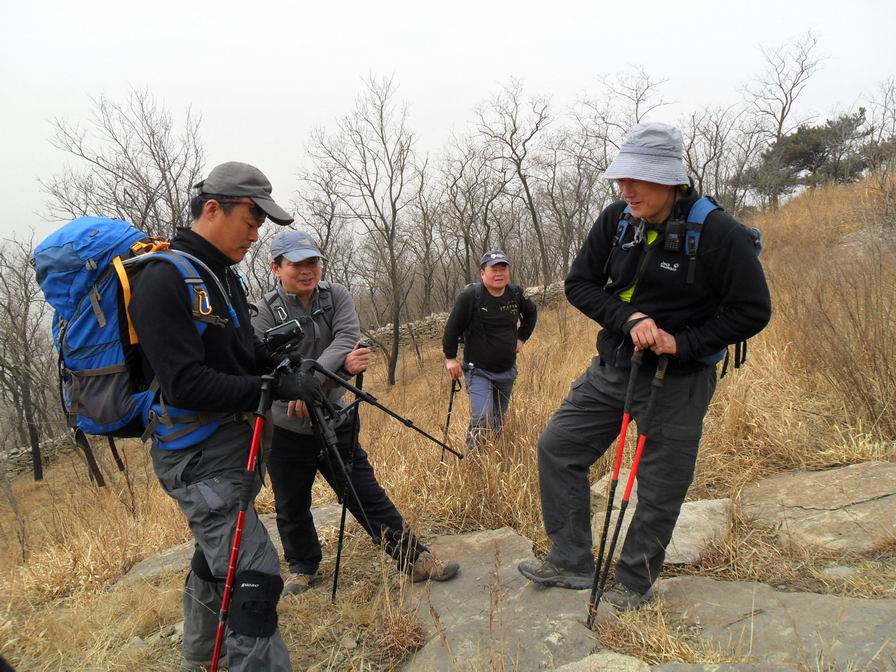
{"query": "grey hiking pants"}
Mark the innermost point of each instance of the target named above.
(581, 430)
(205, 481)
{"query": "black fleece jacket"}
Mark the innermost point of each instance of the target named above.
(491, 336)
(728, 301)
(217, 372)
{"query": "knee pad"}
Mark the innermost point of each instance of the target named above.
(253, 607)
(200, 568)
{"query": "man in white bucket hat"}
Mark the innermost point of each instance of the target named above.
(667, 273)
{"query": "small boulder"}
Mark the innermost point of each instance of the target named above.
(699, 524)
(606, 661)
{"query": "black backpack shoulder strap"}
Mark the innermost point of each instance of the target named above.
(325, 302)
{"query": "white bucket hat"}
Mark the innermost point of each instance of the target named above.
(651, 152)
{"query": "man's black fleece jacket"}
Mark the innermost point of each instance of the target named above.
(728, 301)
(215, 372)
(490, 336)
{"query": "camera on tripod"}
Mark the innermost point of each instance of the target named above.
(283, 338)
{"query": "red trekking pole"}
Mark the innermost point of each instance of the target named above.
(637, 359)
(597, 589)
(264, 403)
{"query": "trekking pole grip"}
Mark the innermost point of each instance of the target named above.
(267, 395)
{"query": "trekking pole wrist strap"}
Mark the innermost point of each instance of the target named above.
(631, 324)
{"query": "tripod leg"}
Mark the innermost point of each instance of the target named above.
(356, 431)
(327, 436)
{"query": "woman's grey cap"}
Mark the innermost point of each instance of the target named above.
(296, 246)
(493, 257)
(240, 179)
(651, 152)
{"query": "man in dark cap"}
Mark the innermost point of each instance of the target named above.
(332, 331)
(494, 319)
(649, 291)
(198, 345)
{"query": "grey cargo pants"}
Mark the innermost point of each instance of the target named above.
(581, 430)
(205, 481)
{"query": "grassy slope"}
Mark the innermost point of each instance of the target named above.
(793, 406)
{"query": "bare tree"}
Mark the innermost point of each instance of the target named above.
(322, 212)
(372, 158)
(473, 184)
(773, 93)
(133, 165)
(423, 241)
(573, 191)
(510, 128)
(623, 99)
(27, 374)
(881, 148)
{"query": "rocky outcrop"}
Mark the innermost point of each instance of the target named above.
(758, 624)
(849, 509)
(490, 617)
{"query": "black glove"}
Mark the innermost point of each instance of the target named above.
(303, 386)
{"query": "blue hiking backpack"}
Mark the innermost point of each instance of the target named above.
(693, 228)
(83, 269)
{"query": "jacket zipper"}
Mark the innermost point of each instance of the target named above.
(640, 270)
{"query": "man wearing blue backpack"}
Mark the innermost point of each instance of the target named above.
(665, 272)
(213, 374)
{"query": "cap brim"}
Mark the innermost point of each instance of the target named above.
(656, 169)
(493, 262)
(302, 255)
(274, 212)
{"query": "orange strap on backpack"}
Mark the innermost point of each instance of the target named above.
(138, 248)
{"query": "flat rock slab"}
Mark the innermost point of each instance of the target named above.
(850, 508)
(718, 667)
(487, 619)
(699, 524)
(177, 558)
(606, 661)
(760, 625)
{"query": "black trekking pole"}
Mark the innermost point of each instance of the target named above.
(264, 403)
(656, 384)
(356, 431)
(312, 365)
(637, 359)
(455, 388)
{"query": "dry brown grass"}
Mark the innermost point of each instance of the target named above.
(784, 410)
(655, 637)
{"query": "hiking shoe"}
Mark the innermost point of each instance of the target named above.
(297, 583)
(549, 575)
(428, 567)
(626, 599)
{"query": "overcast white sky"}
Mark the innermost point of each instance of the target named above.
(264, 73)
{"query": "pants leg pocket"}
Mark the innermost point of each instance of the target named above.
(213, 496)
(677, 456)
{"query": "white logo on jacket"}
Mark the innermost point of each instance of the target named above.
(669, 267)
